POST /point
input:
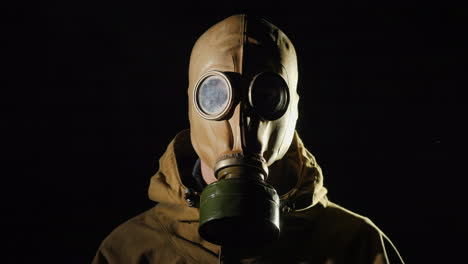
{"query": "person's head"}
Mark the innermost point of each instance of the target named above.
(242, 91)
(243, 108)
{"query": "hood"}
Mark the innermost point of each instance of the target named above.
(297, 177)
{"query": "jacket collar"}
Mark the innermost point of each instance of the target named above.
(297, 177)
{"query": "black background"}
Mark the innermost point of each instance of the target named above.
(92, 93)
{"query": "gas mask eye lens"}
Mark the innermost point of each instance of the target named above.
(213, 96)
(269, 95)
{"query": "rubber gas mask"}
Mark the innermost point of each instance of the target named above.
(243, 111)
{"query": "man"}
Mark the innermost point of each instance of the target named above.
(239, 186)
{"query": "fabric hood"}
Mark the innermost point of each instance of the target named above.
(297, 177)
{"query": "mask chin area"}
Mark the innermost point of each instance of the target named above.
(239, 210)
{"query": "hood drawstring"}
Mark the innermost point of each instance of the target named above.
(192, 197)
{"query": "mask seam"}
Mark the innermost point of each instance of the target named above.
(244, 42)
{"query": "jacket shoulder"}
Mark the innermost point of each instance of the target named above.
(134, 241)
(349, 227)
(355, 235)
(351, 220)
(334, 234)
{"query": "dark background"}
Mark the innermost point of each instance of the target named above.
(93, 93)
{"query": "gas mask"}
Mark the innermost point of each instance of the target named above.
(243, 112)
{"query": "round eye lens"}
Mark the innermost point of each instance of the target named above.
(269, 95)
(213, 96)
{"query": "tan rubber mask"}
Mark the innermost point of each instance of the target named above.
(243, 112)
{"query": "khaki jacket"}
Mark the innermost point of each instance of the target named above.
(313, 229)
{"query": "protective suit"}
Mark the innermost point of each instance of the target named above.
(268, 203)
